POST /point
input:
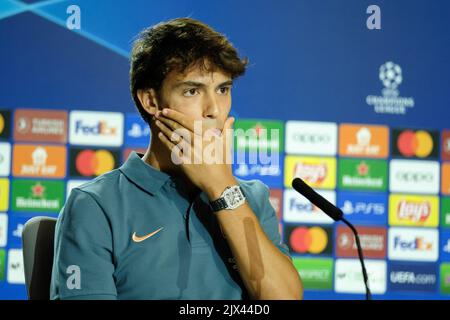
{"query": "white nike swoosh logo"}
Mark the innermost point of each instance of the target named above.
(140, 239)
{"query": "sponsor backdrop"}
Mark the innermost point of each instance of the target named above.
(361, 114)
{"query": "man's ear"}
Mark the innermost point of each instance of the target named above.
(148, 99)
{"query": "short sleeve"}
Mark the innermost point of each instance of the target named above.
(83, 265)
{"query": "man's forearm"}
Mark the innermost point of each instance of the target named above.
(267, 273)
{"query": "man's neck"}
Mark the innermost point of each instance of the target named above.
(157, 156)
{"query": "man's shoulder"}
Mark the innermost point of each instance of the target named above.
(101, 186)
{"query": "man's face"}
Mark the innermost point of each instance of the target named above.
(199, 94)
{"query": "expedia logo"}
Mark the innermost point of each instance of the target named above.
(96, 128)
(420, 144)
(309, 240)
(92, 162)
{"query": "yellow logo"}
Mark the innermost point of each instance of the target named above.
(2, 123)
(410, 210)
(4, 194)
(318, 172)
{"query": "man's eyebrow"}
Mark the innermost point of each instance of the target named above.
(200, 84)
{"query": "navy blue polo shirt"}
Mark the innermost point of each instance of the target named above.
(133, 233)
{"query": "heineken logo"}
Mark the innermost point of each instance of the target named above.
(362, 174)
(40, 196)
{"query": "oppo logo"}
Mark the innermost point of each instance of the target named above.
(312, 138)
(415, 176)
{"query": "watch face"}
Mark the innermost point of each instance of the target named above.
(234, 197)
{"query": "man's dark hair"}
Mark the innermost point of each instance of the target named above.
(177, 45)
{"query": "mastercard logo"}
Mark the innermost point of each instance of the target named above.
(312, 240)
(94, 162)
(415, 143)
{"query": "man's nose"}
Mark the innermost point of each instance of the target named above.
(211, 107)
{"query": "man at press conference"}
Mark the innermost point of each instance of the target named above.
(163, 225)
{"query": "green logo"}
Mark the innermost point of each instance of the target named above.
(259, 135)
(358, 174)
(2, 265)
(445, 278)
(445, 212)
(37, 195)
(315, 273)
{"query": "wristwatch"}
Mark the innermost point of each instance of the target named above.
(231, 198)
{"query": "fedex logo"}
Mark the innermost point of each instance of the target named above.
(298, 209)
(363, 207)
(415, 244)
(101, 128)
(96, 128)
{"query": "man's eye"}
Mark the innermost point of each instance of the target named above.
(224, 90)
(190, 92)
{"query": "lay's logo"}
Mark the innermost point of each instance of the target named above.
(318, 172)
(406, 210)
(96, 128)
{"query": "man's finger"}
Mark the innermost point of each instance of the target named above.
(179, 118)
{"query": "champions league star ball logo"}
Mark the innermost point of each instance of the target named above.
(391, 77)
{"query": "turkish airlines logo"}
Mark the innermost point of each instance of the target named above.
(312, 138)
(40, 125)
(92, 162)
(414, 176)
(413, 244)
(420, 144)
(373, 242)
(96, 128)
(445, 153)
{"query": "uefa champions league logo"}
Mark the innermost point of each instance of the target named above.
(390, 102)
(391, 75)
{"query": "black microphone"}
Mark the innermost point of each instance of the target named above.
(334, 213)
(323, 204)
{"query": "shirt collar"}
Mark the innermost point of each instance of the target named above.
(142, 174)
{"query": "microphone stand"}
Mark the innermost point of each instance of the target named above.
(337, 215)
